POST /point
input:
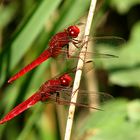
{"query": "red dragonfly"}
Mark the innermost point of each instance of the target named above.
(56, 43)
(50, 91)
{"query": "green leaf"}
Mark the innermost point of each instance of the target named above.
(71, 12)
(24, 39)
(6, 14)
(29, 123)
(126, 68)
(128, 77)
(22, 42)
(123, 6)
(129, 61)
(133, 111)
(113, 123)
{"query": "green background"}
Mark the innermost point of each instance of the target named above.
(26, 27)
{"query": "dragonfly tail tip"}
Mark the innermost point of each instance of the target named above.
(9, 81)
(2, 122)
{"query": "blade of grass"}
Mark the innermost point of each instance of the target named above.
(29, 124)
(28, 34)
(79, 72)
(31, 30)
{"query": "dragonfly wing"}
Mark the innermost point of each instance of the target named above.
(21, 107)
(112, 41)
(102, 96)
(75, 54)
(88, 66)
(109, 40)
(91, 95)
(63, 101)
(85, 99)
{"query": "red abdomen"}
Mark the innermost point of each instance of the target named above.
(44, 56)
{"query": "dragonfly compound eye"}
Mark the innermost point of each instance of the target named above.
(73, 31)
(65, 80)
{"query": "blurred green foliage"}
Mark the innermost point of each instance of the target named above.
(120, 120)
(25, 29)
(123, 6)
(127, 66)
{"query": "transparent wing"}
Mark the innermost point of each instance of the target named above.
(88, 66)
(84, 97)
(62, 101)
(97, 42)
(110, 40)
(75, 54)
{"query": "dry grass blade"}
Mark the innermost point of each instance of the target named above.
(79, 72)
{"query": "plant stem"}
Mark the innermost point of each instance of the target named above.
(79, 71)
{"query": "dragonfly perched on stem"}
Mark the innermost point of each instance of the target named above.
(57, 42)
(58, 90)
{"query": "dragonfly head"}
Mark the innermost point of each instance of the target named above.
(65, 80)
(73, 31)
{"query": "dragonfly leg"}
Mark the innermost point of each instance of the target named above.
(68, 55)
(76, 43)
(57, 97)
